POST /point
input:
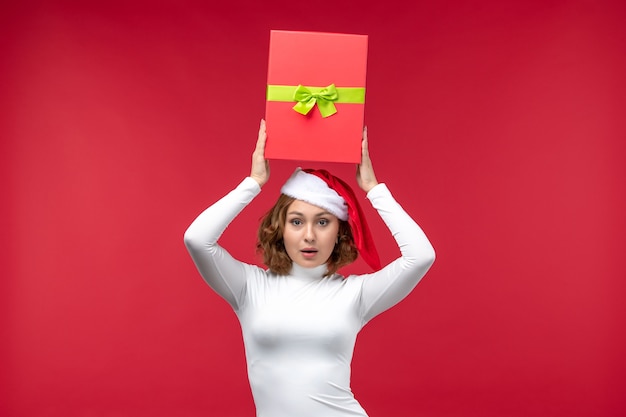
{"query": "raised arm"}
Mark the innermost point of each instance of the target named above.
(220, 270)
(385, 288)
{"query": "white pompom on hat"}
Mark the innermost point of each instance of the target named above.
(313, 190)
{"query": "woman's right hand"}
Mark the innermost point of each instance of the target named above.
(260, 171)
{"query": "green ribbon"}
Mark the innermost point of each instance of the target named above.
(307, 97)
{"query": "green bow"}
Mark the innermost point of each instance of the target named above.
(306, 100)
(307, 97)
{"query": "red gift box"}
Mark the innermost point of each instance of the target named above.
(318, 62)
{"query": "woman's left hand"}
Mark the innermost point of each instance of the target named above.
(365, 171)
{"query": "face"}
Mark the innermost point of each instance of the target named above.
(310, 234)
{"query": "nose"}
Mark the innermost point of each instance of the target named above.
(309, 234)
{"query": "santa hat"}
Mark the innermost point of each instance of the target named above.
(322, 189)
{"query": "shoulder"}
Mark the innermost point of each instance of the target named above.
(256, 273)
(354, 281)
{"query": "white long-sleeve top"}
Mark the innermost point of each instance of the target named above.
(299, 330)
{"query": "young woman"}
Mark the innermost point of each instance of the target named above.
(299, 318)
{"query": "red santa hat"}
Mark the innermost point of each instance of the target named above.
(322, 189)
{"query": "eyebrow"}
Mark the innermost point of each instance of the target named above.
(297, 213)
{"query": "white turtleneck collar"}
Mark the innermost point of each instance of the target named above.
(314, 273)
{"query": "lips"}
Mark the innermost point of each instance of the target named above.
(308, 252)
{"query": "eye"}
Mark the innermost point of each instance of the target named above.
(323, 222)
(296, 222)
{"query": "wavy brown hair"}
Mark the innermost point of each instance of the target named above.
(270, 241)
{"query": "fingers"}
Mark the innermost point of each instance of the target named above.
(260, 143)
(365, 171)
(365, 154)
(260, 170)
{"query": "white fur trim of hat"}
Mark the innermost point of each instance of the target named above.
(313, 190)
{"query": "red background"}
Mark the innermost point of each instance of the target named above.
(499, 126)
